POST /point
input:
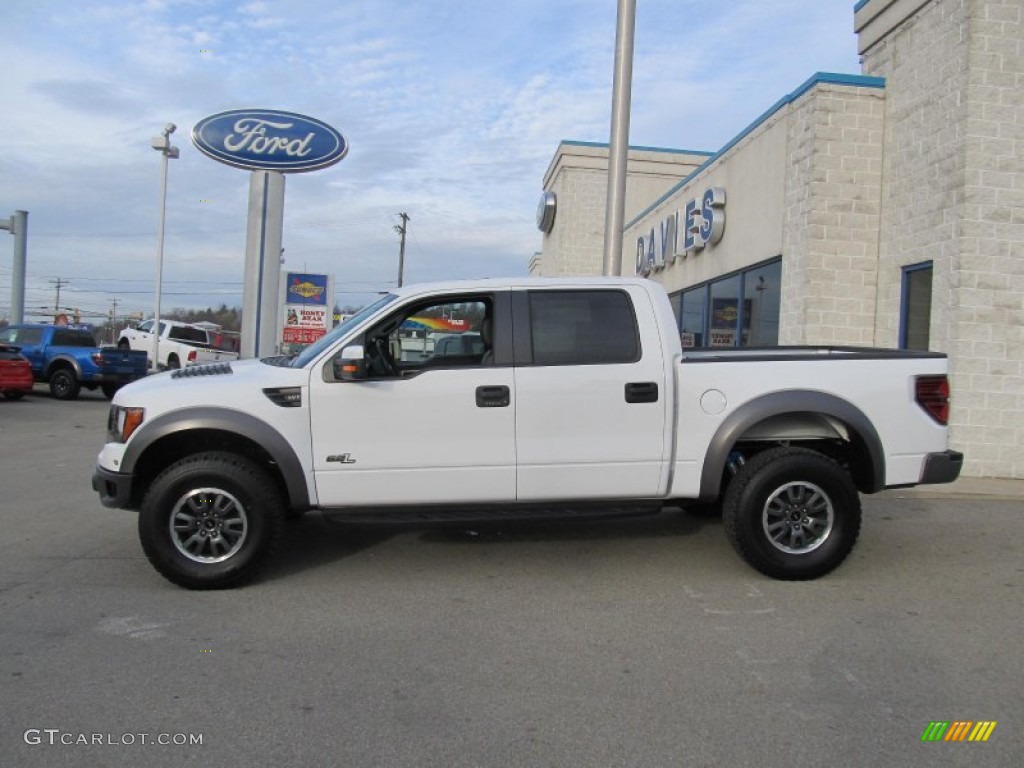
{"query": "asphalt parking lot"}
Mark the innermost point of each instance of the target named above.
(640, 642)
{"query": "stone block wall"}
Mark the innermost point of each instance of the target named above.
(830, 228)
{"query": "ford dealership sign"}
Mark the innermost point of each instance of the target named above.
(269, 140)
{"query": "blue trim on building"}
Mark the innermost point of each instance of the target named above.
(860, 5)
(819, 78)
(604, 145)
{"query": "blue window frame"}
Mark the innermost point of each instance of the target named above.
(916, 306)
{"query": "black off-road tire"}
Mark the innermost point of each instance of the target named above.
(211, 520)
(64, 385)
(792, 513)
(173, 363)
(109, 390)
(124, 344)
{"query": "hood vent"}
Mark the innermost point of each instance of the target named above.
(213, 369)
(286, 397)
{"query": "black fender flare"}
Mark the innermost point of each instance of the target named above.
(224, 420)
(59, 361)
(778, 404)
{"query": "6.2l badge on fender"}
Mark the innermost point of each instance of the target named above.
(269, 140)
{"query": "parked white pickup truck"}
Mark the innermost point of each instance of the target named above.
(180, 344)
(581, 400)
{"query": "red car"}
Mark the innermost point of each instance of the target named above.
(15, 373)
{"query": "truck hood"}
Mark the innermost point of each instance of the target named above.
(235, 384)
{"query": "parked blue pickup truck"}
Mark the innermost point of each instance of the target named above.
(68, 359)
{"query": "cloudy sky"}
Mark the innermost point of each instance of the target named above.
(452, 109)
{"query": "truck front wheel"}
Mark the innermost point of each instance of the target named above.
(792, 513)
(210, 520)
(64, 385)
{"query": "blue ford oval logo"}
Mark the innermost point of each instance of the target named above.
(269, 140)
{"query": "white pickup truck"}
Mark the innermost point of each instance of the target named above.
(582, 401)
(180, 344)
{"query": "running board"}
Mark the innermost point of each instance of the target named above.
(496, 513)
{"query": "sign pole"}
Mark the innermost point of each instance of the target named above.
(262, 264)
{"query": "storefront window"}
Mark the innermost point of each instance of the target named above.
(762, 290)
(712, 314)
(726, 312)
(916, 307)
(692, 316)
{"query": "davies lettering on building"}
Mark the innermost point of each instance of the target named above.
(269, 140)
(686, 232)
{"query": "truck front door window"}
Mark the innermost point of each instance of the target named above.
(438, 335)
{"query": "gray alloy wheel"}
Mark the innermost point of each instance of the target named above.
(798, 517)
(208, 525)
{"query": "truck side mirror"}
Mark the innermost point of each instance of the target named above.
(350, 365)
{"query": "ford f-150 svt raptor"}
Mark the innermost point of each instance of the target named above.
(581, 398)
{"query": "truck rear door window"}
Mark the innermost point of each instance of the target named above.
(70, 337)
(583, 328)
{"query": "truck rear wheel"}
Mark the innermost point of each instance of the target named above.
(210, 520)
(64, 385)
(792, 513)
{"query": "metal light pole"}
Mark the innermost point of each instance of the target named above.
(17, 225)
(615, 210)
(162, 144)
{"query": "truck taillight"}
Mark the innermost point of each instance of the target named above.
(932, 394)
(192, 356)
(97, 358)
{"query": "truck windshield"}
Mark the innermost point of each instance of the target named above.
(313, 350)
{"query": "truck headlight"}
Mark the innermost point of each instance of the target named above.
(123, 421)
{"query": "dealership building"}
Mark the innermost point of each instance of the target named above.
(881, 209)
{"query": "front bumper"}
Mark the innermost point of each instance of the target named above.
(942, 467)
(114, 488)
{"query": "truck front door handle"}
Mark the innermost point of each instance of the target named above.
(493, 397)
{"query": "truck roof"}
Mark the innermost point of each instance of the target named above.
(500, 283)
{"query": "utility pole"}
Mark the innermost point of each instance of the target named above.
(400, 229)
(113, 320)
(56, 304)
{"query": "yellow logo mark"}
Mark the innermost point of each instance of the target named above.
(306, 290)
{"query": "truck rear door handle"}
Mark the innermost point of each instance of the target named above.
(492, 397)
(642, 392)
